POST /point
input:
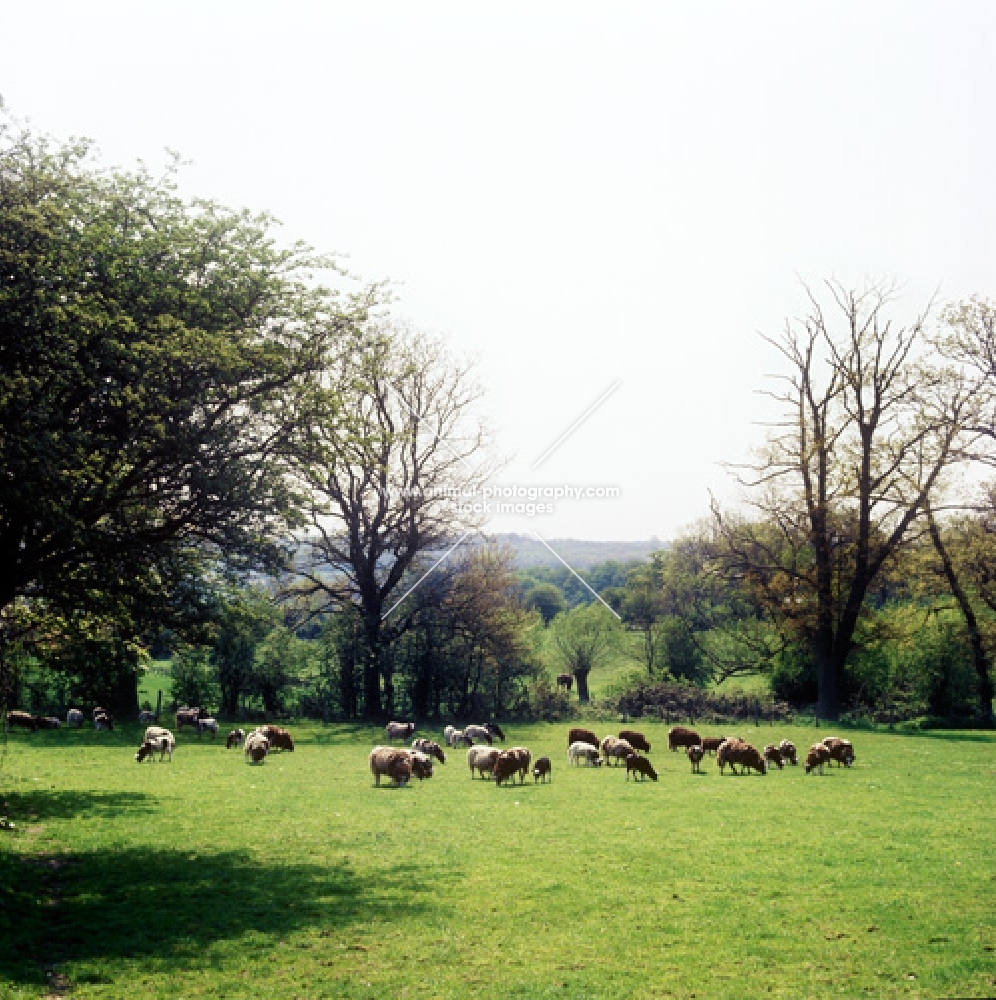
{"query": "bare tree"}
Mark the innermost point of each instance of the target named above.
(869, 427)
(391, 454)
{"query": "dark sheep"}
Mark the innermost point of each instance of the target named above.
(583, 736)
(695, 755)
(636, 764)
(636, 740)
(542, 769)
(679, 736)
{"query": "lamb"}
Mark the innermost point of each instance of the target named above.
(679, 736)
(235, 738)
(735, 751)
(586, 752)
(207, 725)
(74, 718)
(146, 716)
(429, 747)
(511, 762)
(840, 750)
(257, 747)
(710, 744)
(482, 759)
(279, 738)
(636, 740)
(400, 731)
(542, 769)
(818, 756)
(615, 748)
(392, 763)
(565, 681)
(164, 745)
(495, 730)
(635, 764)
(773, 755)
(695, 755)
(583, 736)
(479, 734)
(103, 721)
(787, 749)
(23, 719)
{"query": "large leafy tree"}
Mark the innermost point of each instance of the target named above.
(150, 349)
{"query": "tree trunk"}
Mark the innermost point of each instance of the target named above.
(582, 678)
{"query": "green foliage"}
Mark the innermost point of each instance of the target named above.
(194, 682)
(585, 637)
(547, 599)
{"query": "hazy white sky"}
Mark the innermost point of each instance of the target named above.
(575, 193)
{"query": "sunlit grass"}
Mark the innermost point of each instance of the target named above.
(206, 877)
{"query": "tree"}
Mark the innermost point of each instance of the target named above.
(868, 429)
(149, 347)
(547, 599)
(386, 465)
(585, 638)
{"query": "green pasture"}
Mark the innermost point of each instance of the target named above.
(208, 877)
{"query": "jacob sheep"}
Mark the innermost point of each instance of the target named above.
(616, 749)
(235, 738)
(735, 751)
(390, 762)
(586, 752)
(482, 759)
(164, 745)
(840, 750)
(583, 736)
(542, 769)
(635, 764)
(421, 764)
(710, 744)
(257, 746)
(679, 736)
(636, 740)
(74, 718)
(23, 719)
(773, 755)
(818, 756)
(155, 732)
(429, 747)
(400, 731)
(279, 738)
(512, 762)
(188, 717)
(787, 749)
(496, 731)
(479, 734)
(207, 726)
(695, 755)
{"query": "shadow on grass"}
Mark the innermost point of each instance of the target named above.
(43, 805)
(168, 905)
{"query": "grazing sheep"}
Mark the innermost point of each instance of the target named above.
(99, 711)
(421, 764)
(279, 738)
(48, 722)
(448, 734)
(679, 736)
(586, 752)
(188, 717)
(235, 738)
(482, 759)
(155, 732)
(615, 748)
(164, 745)
(146, 716)
(479, 734)
(695, 755)
(840, 750)
(565, 681)
(512, 762)
(429, 747)
(495, 730)
(787, 749)
(103, 721)
(735, 751)
(542, 769)
(392, 763)
(773, 755)
(583, 736)
(710, 744)
(636, 740)
(207, 726)
(23, 719)
(818, 756)
(74, 718)
(400, 731)
(636, 764)
(257, 746)
(461, 739)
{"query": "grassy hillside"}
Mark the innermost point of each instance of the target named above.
(207, 877)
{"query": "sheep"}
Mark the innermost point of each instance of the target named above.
(235, 738)
(542, 769)
(421, 764)
(97, 710)
(461, 739)
(565, 681)
(818, 756)
(495, 730)
(615, 748)
(586, 752)
(164, 745)
(207, 725)
(583, 736)
(787, 749)
(156, 732)
(392, 763)
(279, 738)
(479, 734)
(23, 719)
(679, 736)
(840, 750)
(448, 734)
(512, 762)
(773, 755)
(146, 716)
(103, 721)
(735, 751)
(188, 717)
(482, 759)
(695, 755)
(429, 747)
(48, 722)
(710, 744)
(257, 746)
(636, 740)
(74, 718)
(635, 764)
(400, 731)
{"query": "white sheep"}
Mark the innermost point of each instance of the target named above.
(74, 717)
(207, 725)
(479, 734)
(586, 752)
(482, 759)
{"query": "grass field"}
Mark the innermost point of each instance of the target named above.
(207, 877)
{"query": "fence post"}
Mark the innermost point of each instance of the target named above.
(159, 704)
(757, 712)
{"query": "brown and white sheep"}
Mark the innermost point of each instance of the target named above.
(735, 751)
(512, 762)
(542, 769)
(164, 745)
(74, 718)
(235, 738)
(429, 747)
(679, 736)
(615, 749)
(695, 755)
(207, 726)
(103, 721)
(188, 717)
(280, 738)
(584, 751)
(25, 720)
(479, 734)
(773, 755)
(818, 756)
(636, 740)
(636, 764)
(257, 746)
(495, 730)
(392, 763)
(156, 732)
(421, 764)
(400, 731)
(840, 750)
(787, 749)
(565, 681)
(710, 744)
(583, 736)
(482, 760)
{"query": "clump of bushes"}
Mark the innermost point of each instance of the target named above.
(671, 702)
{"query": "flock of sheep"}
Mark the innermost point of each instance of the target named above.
(483, 759)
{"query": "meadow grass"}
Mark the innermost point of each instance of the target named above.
(298, 878)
